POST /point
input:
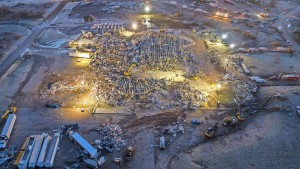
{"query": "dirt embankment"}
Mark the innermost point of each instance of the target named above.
(23, 11)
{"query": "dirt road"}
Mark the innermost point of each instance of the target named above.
(11, 59)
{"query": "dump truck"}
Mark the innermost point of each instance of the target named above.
(7, 129)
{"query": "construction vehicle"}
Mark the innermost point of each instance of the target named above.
(128, 73)
(240, 116)
(129, 153)
(249, 35)
(162, 30)
(229, 121)
(211, 131)
(11, 110)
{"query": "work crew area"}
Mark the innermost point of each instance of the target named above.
(145, 84)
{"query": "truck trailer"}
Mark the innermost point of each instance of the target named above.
(7, 129)
(84, 144)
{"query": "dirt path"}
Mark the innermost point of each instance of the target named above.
(15, 55)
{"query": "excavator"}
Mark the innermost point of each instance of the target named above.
(128, 73)
(10, 110)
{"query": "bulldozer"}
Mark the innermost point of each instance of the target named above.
(128, 73)
(211, 131)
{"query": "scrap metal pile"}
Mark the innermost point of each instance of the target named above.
(110, 138)
(118, 58)
(244, 91)
(6, 156)
(114, 6)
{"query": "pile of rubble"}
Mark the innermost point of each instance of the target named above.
(208, 34)
(118, 57)
(107, 26)
(58, 87)
(6, 156)
(110, 138)
(244, 91)
(111, 7)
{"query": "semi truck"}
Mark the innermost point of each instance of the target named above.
(7, 129)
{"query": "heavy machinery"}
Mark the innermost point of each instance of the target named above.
(162, 30)
(211, 131)
(129, 153)
(128, 73)
(240, 116)
(249, 35)
(10, 110)
(229, 121)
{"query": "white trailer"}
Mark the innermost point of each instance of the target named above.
(41, 159)
(27, 153)
(36, 151)
(7, 129)
(162, 143)
(84, 144)
(52, 149)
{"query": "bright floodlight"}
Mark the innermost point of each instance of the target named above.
(147, 8)
(134, 26)
(219, 86)
(224, 36)
(232, 45)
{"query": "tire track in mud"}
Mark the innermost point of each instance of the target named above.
(38, 62)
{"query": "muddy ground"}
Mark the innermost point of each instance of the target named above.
(266, 139)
